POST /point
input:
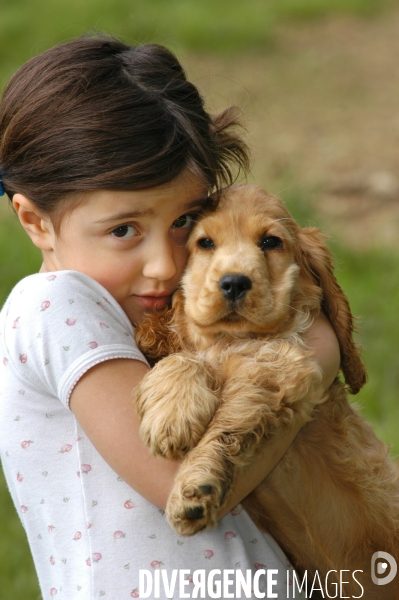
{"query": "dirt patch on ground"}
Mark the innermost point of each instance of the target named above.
(322, 108)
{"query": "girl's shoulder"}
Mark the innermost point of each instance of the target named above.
(57, 282)
(54, 326)
(62, 304)
(39, 292)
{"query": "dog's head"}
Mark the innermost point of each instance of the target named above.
(242, 274)
(253, 271)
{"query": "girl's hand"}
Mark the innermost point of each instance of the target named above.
(323, 341)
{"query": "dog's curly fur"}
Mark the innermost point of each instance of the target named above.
(236, 371)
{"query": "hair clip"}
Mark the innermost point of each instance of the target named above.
(2, 192)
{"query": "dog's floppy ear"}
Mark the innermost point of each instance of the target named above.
(315, 260)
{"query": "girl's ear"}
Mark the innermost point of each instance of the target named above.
(36, 225)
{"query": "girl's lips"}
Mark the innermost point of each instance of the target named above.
(153, 302)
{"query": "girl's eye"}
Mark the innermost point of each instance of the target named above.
(184, 222)
(124, 231)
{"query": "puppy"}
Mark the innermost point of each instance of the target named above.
(237, 371)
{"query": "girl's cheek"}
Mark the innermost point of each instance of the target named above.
(180, 235)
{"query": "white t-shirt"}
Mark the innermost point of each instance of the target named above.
(90, 533)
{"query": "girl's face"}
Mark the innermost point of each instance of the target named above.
(131, 242)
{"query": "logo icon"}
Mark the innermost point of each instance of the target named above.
(385, 566)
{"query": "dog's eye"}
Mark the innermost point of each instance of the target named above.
(271, 242)
(206, 243)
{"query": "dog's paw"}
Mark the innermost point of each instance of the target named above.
(192, 508)
(176, 401)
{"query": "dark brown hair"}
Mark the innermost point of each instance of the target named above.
(95, 113)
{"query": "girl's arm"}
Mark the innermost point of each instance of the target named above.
(102, 403)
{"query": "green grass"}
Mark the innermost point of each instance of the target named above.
(371, 281)
(28, 27)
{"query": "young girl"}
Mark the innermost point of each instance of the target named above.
(108, 156)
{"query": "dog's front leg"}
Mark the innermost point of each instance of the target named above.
(176, 401)
(205, 478)
(201, 487)
(262, 393)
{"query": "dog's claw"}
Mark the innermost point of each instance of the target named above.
(194, 507)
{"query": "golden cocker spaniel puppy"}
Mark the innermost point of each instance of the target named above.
(237, 370)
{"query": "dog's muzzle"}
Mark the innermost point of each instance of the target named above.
(234, 286)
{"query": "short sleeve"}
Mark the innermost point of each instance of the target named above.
(58, 325)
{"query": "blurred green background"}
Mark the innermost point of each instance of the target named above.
(318, 84)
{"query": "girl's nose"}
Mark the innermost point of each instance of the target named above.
(160, 264)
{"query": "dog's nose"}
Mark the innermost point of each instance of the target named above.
(235, 287)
